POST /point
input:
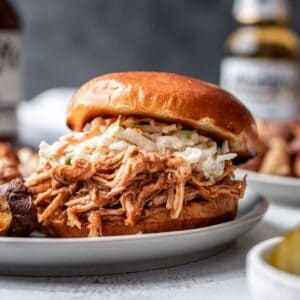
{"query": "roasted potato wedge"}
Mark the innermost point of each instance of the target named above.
(18, 217)
(9, 164)
(5, 216)
(277, 160)
(297, 165)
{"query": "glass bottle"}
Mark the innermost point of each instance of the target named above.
(10, 48)
(261, 66)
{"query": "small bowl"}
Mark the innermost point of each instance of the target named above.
(266, 281)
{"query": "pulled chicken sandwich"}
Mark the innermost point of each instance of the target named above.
(150, 152)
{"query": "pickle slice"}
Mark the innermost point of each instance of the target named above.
(286, 256)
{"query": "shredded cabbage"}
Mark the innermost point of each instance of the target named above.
(136, 138)
(149, 136)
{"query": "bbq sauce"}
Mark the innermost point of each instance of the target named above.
(261, 66)
(10, 69)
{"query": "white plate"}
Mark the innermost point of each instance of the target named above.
(107, 255)
(283, 190)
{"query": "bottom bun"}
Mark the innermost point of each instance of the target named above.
(195, 214)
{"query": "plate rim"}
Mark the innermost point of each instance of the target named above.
(258, 211)
(270, 179)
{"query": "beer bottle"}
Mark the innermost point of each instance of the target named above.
(262, 55)
(10, 46)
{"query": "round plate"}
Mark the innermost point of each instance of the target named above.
(283, 190)
(117, 254)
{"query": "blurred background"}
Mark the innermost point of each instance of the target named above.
(69, 41)
(64, 43)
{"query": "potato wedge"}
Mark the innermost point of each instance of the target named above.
(18, 202)
(5, 216)
(9, 164)
(277, 160)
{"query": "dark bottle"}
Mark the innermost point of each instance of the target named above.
(261, 66)
(10, 77)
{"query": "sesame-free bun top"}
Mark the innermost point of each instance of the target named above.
(167, 97)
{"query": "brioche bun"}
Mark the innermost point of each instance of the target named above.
(195, 214)
(167, 97)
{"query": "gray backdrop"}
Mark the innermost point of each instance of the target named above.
(68, 41)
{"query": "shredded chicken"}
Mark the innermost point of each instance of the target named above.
(117, 167)
(95, 226)
(123, 185)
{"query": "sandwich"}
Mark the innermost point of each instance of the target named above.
(149, 152)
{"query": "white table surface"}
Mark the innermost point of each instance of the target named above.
(219, 277)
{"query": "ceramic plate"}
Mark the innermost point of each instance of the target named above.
(285, 190)
(107, 255)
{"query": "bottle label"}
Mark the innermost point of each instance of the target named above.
(10, 46)
(269, 88)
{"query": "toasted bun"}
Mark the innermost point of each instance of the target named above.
(167, 97)
(195, 214)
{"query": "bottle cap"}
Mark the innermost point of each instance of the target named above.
(251, 11)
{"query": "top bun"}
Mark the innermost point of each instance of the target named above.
(167, 97)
